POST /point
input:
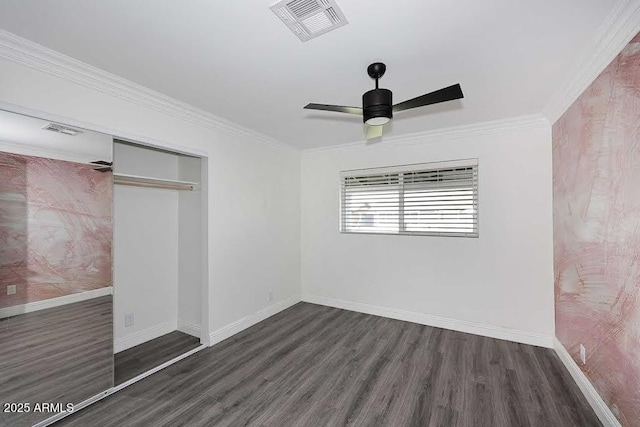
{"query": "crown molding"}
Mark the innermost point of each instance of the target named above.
(617, 30)
(447, 134)
(25, 52)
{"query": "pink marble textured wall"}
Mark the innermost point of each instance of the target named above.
(55, 228)
(596, 196)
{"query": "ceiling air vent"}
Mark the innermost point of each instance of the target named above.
(310, 18)
(62, 129)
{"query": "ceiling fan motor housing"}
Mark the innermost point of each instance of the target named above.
(377, 103)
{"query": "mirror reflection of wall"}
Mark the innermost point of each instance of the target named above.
(100, 263)
(55, 264)
(100, 271)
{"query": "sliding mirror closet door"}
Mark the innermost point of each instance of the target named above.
(56, 330)
(157, 257)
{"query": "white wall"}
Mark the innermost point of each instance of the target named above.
(190, 238)
(503, 279)
(135, 160)
(145, 248)
(253, 210)
(157, 248)
(145, 263)
(257, 223)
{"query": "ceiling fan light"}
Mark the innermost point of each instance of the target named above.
(378, 121)
(377, 107)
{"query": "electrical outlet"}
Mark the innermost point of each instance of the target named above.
(583, 354)
(128, 320)
(270, 295)
(11, 289)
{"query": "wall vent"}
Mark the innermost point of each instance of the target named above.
(310, 18)
(62, 129)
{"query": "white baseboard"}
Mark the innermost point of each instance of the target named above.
(599, 406)
(189, 328)
(54, 302)
(524, 337)
(137, 338)
(248, 321)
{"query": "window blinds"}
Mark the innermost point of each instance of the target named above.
(428, 199)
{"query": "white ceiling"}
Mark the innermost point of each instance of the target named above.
(237, 60)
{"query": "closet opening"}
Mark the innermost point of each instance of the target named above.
(158, 256)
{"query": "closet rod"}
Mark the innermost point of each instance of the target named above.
(138, 181)
(152, 185)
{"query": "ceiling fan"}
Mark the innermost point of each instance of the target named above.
(377, 106)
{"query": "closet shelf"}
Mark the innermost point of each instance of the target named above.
(143, 181)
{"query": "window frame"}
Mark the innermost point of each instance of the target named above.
(405, 169)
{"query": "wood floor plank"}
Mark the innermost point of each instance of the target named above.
(318, 366)
(141, 358)
(57, 355)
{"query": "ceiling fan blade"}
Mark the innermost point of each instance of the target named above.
(443, 95)
(336, 108)
(374, 131)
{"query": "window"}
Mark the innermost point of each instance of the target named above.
(435, 199)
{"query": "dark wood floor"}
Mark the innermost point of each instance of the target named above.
(318, 366)
(58, 355)
(139, 359)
